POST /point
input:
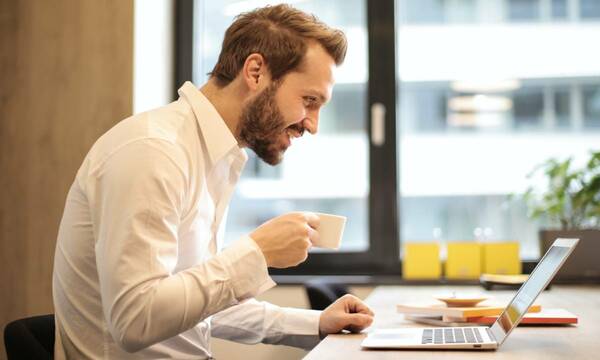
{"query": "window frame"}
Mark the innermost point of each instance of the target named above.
(383, 255)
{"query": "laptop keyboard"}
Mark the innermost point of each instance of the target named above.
(452, 336)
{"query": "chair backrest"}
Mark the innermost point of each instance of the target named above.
(30, 338)
(323, 293)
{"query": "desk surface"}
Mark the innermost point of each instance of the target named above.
(580, 341)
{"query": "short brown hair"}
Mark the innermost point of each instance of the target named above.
(280, 34)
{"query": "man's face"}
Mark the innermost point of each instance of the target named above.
(288, 107)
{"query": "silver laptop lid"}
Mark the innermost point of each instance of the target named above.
(538, 280)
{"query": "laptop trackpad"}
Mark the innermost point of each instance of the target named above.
(398, 336)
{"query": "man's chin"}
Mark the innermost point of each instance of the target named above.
(272, 158)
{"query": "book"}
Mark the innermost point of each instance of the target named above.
(544, 317)
(490, 281)
(505, 279)
(456, 312)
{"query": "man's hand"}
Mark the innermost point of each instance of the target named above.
(286, 239)
(347, 313)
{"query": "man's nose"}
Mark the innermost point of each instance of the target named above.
(311, 123)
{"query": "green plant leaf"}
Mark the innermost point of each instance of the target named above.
(572, 196)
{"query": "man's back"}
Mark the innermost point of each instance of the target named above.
(76, 285)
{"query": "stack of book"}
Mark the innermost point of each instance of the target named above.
(442, 315)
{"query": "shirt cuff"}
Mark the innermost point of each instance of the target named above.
(301, 327)
(248, 269)
(301, 321)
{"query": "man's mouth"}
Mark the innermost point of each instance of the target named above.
(291, 132)
(295, 130)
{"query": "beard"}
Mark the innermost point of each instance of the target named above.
(262, 124)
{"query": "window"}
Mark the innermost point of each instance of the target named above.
(304, 180)
(589, 9)
(591, 106)
(475, 93)
(480, 104)
(523, 10)
(562, 106)
(559, 9)
(528, 107)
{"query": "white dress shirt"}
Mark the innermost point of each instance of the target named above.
(137, 269)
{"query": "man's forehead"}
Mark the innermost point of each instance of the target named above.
(317, 60)
(316, 74)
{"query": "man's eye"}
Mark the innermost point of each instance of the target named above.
(310, 100)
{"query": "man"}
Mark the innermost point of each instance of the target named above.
(137, 270)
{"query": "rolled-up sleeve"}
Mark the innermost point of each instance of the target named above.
(137, 200)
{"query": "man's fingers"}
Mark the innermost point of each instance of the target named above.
(364, 309)
(313, 235)
(357, 322)
(312, 219)
(355, 305)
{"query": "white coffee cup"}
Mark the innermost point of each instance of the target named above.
(331, 229)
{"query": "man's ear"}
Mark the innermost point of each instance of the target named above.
(255, 73)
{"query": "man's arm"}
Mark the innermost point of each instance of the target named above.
(138, 197)
(252, 322)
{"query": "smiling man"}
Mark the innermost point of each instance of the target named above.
(138, 269)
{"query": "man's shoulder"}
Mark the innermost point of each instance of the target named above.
(170, 122)
(170, 127)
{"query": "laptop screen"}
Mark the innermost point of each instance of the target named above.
(538, 280)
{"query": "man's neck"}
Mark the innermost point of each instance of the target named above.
(228, 102)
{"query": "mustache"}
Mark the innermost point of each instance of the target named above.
(297, 127)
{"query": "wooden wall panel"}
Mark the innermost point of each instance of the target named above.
(65, 78)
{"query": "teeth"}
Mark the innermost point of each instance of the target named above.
(293, 134)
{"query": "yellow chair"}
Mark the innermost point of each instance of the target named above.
(501, 258)
(421, 261)
(463, 260)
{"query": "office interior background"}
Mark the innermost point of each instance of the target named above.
(470, 96)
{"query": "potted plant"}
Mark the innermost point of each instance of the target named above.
(570, 202)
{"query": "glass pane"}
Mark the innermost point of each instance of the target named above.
(528, 107)
(559, 9)
(589, 9)
(436, 11)
(323, 173)
(480, 104)
(562, 110)
(591, 106)
(523, 10)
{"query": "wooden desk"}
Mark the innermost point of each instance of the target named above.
(573, 342)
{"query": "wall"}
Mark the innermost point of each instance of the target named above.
(65, 78)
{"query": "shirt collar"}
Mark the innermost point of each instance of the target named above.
(219, 140)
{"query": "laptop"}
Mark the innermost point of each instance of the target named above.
(479, 337)
(583, 264)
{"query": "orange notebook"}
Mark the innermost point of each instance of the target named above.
(546, 316)
(456, 312)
